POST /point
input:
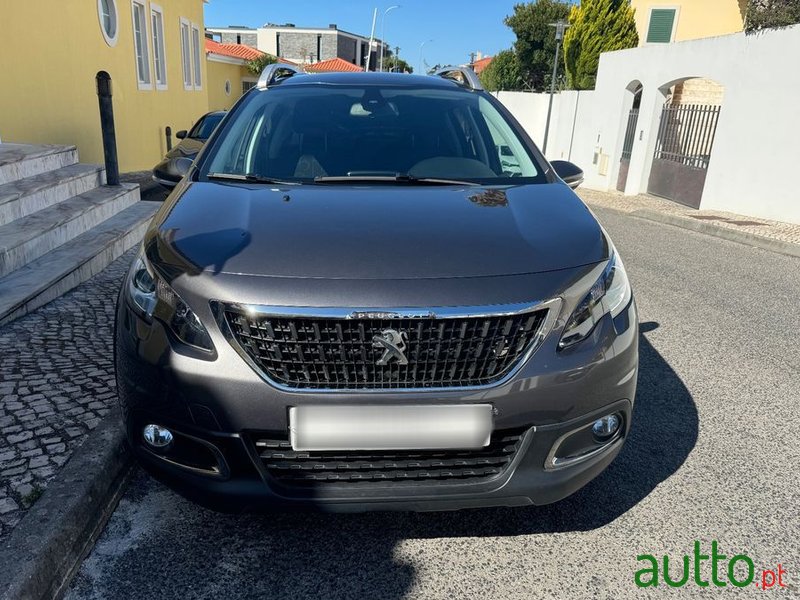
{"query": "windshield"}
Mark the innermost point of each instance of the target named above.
(203, 129)
(307, 133)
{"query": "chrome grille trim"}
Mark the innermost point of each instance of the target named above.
(552, 307)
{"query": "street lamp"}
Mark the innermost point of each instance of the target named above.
(383, 30)
(561, 27)
(421, 70)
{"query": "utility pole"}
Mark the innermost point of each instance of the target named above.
(561, 27)
(371, 40)
(396, 58)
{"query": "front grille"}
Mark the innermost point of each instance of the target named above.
(303, 468)
(345, 353)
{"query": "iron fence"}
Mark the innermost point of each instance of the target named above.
(686, 134)
(630, 133)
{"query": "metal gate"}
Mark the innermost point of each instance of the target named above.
(683, 150)
(627, 149)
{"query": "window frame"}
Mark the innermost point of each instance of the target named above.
(110, 40)
(141, 82)
(186, 54)
(197, 55)
(676, 10)
(159, 62)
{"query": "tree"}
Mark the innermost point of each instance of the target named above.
(393, 63)
(502, 73)
(596, 26)
(767, 14)
(257, 65)
(536, 40)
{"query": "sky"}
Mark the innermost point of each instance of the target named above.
(456, 27)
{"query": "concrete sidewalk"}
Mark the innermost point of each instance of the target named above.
(750, 230)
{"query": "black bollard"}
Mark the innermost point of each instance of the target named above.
(168, 133)
(107, 127)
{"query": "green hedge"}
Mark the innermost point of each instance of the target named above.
(768, 14)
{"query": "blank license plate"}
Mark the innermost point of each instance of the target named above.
(428, 427)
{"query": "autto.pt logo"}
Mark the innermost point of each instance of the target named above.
(706, 568)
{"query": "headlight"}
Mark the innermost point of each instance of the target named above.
(152, 297)
(611, 293)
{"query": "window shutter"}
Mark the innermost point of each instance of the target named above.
(660, 29)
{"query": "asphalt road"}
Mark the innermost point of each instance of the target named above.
(714, 455)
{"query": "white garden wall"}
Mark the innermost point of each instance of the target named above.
(757, 147)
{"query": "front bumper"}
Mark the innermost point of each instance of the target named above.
(219, 405)
(164, 174)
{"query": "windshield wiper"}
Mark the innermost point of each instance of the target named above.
(248, 178)
(404, 178)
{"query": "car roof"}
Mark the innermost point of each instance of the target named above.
(370, 78)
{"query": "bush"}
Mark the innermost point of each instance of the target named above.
(596, 26)
(502, 73)
(257, 65)
(769, 14)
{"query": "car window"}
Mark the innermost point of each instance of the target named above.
(203, 129)
(303, 132)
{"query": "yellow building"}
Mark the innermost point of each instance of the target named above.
(664, 21)
(155, 54)
(228, 76)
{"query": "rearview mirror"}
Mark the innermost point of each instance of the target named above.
(181, 134)
(571, 174)
(182, 166)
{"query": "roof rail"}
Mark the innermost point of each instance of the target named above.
(463, 76)
(274, 73)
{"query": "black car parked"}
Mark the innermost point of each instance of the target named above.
(166, 172)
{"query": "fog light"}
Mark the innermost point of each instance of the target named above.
(157, 436)
(607, 426)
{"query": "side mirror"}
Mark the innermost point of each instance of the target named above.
(181, 134)
(571, 174)
(182, 166)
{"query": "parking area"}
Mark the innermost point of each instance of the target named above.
(714, 455)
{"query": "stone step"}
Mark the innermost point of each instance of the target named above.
(26, 196)
(60, 270)
(28, 238)
(18, 161)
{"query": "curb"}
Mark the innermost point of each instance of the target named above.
(742, 237)
(46, 548)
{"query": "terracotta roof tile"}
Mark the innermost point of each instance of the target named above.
(479, 65)
(232, 50)
(332, 65)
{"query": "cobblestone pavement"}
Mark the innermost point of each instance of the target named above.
(776, 230)
(56, 383)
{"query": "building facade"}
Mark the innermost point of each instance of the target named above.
(154, 53)
(236, 34)
(665, 21)
(303, 45)
(228, 75)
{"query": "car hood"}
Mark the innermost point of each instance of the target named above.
(188, 148)
(373, 232)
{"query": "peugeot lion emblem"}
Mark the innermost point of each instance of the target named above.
(393, 343)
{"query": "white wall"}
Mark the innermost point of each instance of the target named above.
(571, 122)
(757, 147)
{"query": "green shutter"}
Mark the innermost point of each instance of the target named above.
(660, 29)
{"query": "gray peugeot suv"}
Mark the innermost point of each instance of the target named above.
(371, 292)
